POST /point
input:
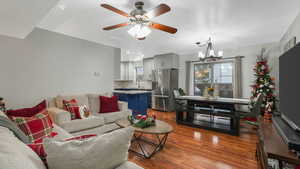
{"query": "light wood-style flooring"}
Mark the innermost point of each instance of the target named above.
(193, 148)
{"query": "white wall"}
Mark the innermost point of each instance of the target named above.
(278, 49)
(293, 30)
(46, 64)
(250, 53)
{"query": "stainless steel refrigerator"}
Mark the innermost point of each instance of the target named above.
(165, 81)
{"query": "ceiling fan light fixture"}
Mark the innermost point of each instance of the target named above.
(139, 31)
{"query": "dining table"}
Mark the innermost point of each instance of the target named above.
(212, 113)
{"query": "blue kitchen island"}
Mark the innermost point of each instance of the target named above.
(138, 100)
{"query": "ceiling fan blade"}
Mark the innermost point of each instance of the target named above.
(118, 11)
(116, 26)
(163, 27)
(157, 11)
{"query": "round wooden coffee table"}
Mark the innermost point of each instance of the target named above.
(161, 131)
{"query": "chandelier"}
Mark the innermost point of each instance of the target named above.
(210, 54)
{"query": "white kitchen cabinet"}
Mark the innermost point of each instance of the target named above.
(148, 65)
(127, 70)
(166, 61)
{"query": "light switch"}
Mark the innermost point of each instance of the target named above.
(97, 74)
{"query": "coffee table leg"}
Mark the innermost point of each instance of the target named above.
(158, 147)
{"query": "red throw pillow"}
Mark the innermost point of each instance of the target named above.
(109, 104)
(38, 148)
(28, 112)
(37, 126)
(72, 107)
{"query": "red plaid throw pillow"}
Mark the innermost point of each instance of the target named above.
(72, 107)
(35, 127)
(38, 148)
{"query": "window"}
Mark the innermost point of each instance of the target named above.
(139, 73)
(220, 74)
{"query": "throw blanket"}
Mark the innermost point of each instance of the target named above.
(5, 122)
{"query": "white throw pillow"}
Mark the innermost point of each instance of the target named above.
(107, 151)
(94, 103)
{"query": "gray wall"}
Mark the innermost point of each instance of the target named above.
(46, 64)
(117, 64)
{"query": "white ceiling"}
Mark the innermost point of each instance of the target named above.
(231, 23)
(18, 18)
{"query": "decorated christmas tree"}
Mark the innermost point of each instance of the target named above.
(263, 84)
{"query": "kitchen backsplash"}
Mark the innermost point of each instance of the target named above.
(132, 84)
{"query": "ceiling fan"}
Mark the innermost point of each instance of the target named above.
(140, 19)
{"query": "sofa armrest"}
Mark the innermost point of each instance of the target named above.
(123, 105)
(59, 116)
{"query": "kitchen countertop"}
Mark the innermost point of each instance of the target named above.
(132, 91)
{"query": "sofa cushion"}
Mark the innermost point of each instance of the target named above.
(37, 126)
(98, 130)
(28, 112)
(82, 124)
(59, 116)
(109, 104)
(129, 165)
(94, 103)
(61, 133)
(102, 152)
(114, 116)
(16, 155)
(81, 100)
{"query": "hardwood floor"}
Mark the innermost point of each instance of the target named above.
(192, 148)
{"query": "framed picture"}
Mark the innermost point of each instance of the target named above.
(291, 43)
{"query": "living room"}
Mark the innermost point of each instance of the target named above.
(153, 84)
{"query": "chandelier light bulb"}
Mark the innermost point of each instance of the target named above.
(211, 53)
(220, 53)
(139, 31)
(200, 55)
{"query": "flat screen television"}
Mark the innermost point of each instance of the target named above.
(289, 87)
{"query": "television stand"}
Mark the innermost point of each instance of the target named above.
(272, 145)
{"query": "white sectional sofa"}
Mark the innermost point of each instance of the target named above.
(95, 124)
(14, 154)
